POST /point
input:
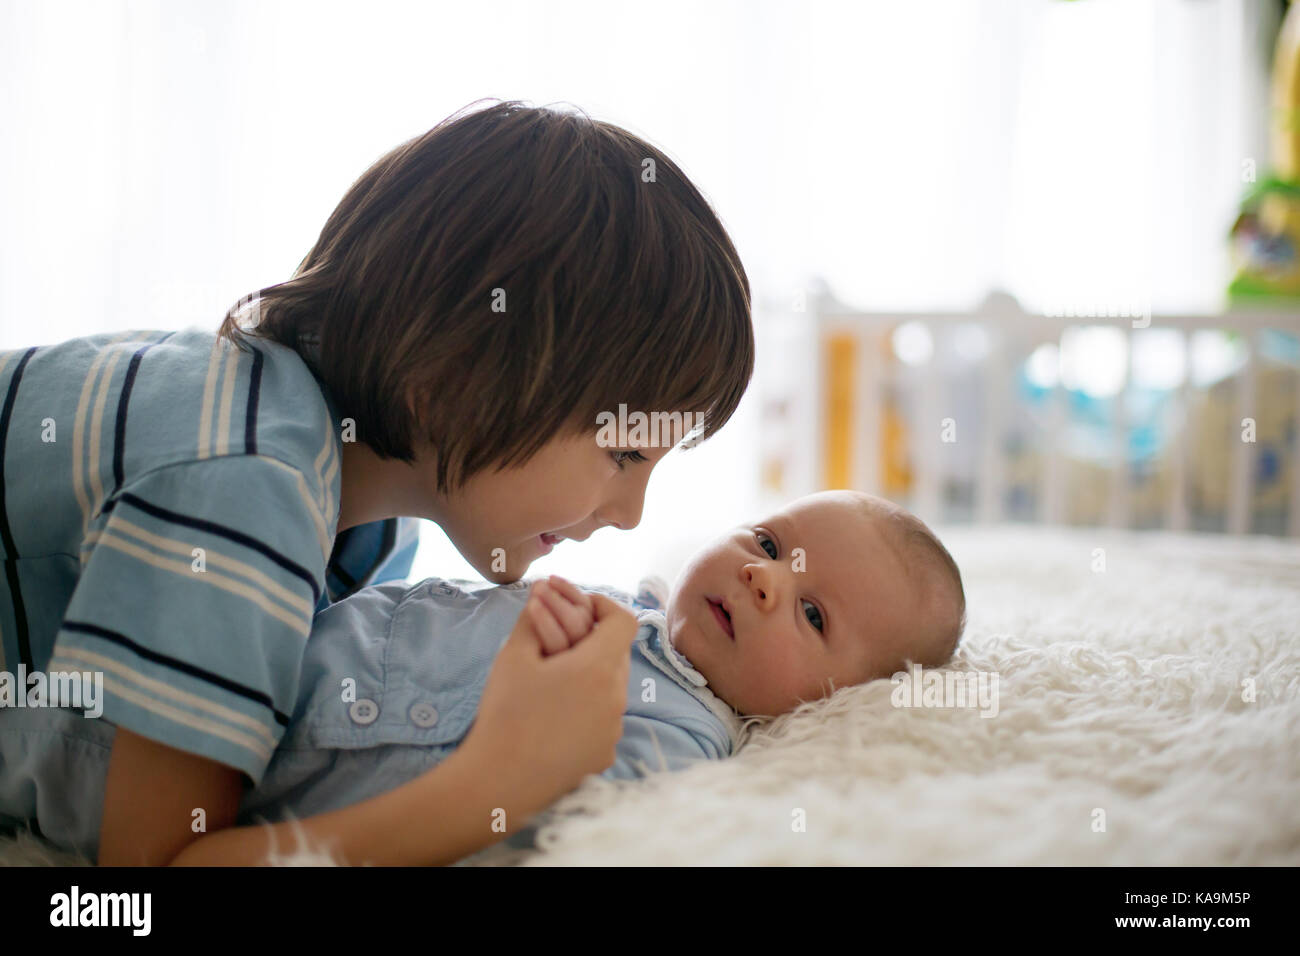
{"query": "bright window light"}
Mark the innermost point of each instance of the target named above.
(913, 343)
(1093, 360)
(1042, 368)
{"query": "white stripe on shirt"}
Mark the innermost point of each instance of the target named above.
(184, 568)
(295, 601)
(227, 396)
(159, 688)
(209, 387)
(210, 727)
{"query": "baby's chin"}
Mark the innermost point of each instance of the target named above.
(703, 668)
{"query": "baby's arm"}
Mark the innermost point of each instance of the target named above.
(652, 746)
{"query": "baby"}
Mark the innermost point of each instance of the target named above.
(835, 589)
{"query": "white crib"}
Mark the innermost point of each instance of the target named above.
(954, 415)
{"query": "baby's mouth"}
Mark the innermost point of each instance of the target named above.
(722, 617)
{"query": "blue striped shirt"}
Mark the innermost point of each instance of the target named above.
(168, 507)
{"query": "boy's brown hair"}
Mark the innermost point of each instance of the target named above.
(620, 285)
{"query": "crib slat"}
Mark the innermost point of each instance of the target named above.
(869, 399)
(931, 454)
(1241, 460)
(1293, 506)
(1180, 428)
(1052, 492)
(992, 478)
(1118, 515)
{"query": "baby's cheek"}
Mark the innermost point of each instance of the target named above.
(783, 673)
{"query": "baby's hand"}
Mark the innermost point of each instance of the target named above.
(561, 614)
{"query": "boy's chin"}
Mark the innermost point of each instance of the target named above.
(502, 577)
(502, 572)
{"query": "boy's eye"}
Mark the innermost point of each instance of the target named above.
(624, 456)
(815, 613)
(761, 538)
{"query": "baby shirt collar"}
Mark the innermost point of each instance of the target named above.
(658, 648)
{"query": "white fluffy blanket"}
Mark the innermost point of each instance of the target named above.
(1148, 714)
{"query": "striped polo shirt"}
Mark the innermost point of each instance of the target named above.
(168, 507)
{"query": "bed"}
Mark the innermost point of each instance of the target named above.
(1148, 714)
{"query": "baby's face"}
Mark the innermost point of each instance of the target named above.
(816, 595)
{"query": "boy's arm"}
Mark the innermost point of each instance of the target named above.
(149, 824)
(446, 814)
(504, 770)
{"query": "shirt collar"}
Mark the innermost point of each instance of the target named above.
(658, 642)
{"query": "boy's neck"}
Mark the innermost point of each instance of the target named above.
(374, 488)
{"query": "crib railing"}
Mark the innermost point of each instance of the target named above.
(844, 432)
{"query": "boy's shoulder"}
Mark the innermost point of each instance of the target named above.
(169, 397)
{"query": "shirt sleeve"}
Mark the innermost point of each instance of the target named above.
(649, 746)
(195, 601)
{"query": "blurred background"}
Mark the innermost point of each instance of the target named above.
(1013, 260)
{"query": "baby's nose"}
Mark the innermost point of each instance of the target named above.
(759, 584)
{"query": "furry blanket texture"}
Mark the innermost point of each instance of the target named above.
(1147, 713)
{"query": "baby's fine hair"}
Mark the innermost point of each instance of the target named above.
(923, 550)
(503, 278)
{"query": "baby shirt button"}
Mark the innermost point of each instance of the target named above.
(363, 711)
(424, 715)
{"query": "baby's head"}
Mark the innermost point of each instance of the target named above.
(834, 589)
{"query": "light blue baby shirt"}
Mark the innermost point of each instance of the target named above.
(390, 686)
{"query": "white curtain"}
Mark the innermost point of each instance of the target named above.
(160, 159)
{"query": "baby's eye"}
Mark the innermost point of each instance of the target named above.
(815, 618)
(623, 456)
(761, 538)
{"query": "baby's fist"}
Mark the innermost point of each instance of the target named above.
(561, 614)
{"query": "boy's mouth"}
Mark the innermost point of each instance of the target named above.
(719, 611)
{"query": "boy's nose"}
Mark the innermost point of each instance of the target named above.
(624, 512)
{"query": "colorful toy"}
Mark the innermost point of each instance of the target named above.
(1266, 236)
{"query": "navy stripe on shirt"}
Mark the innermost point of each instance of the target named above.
(225, 683)
(124, 398)
(6, 533)
(250, 416)
(202, 524)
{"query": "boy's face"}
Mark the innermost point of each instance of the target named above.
(836, 610)
(572, 487)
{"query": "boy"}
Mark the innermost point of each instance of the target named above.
(170, 500)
